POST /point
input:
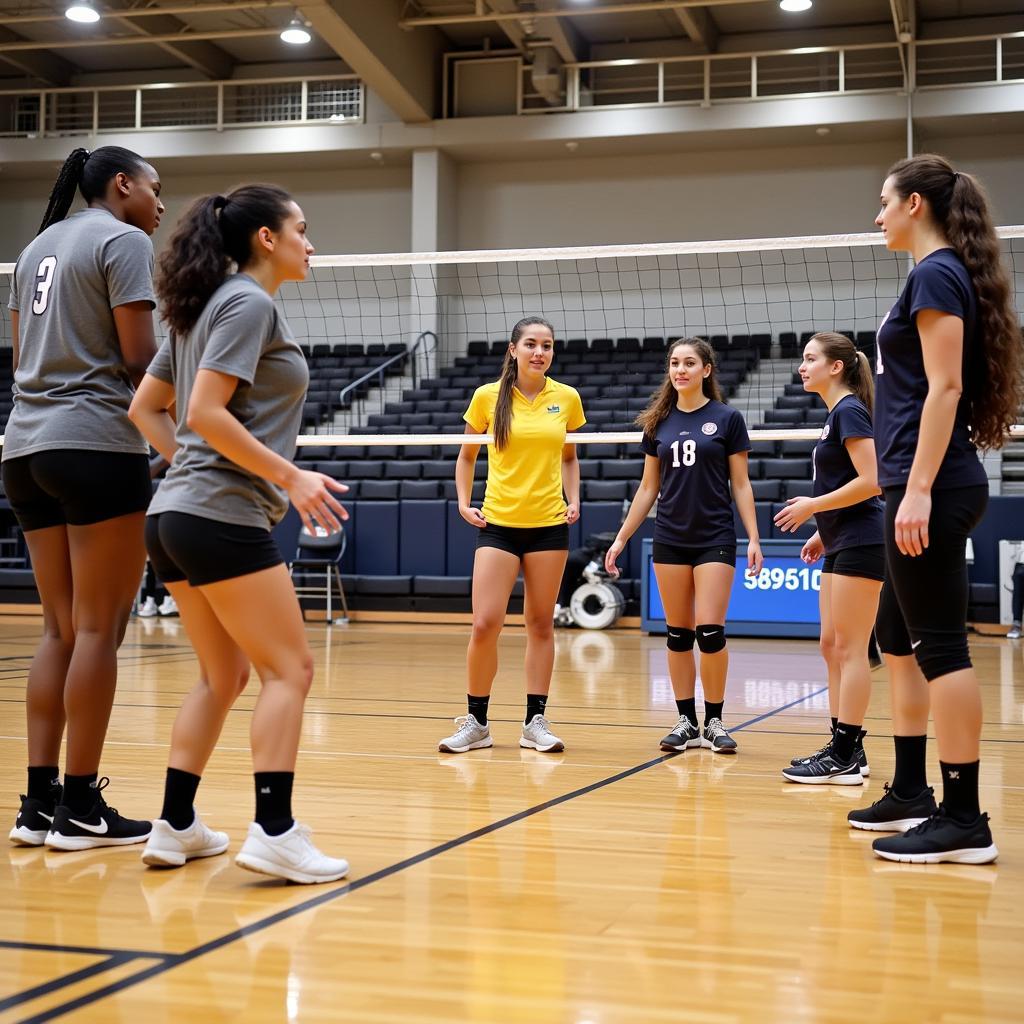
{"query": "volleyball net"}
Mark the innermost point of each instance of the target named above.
(398, 342)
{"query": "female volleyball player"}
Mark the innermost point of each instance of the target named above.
(236, 379)
(948, 378)
(76, 472)
(848, 515)
(523, 525)
(696, 449)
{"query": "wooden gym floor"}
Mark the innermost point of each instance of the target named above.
(607, 884)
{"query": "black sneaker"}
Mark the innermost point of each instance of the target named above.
(892, 814)
(941, 838)
(825, 770)
(684, 734)
(810, 757)
(717, 739)
(101, 826)
(33, 822)
(862, 758)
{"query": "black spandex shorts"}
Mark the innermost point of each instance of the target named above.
(202, 551)
(75, 487)
(923, 607)
(674, 554)
(866, 562)
(521, 540)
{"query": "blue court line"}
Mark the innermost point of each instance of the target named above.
(173, 960)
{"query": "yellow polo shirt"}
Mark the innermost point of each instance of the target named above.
(524, 479)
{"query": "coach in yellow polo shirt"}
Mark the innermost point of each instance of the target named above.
(523, 526)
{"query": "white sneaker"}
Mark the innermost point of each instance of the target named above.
(170, 847)
(168, 606)
(147, 610)
(537, 735)
(291, 855)
(1014, 633)
(470, 735)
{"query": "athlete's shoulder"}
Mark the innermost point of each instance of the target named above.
(565, 389)
(487, 390)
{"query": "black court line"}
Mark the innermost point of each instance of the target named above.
(173, 960)
(47, 987)
(50, 947)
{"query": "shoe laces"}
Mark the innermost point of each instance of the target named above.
(101, 785)
(466, 723)
(684, 725)
(716, 728)
(540, 722)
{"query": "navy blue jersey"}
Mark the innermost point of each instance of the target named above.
(694, 503)
(941, 282)
(855, 525)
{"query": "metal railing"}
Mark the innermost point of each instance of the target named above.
(416, 351)
(177, 106)
(706, 79)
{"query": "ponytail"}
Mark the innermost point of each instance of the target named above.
(215, 232)
(89, 172)
(837, 348)
(993, 387)
(664, 399)
(502, 425)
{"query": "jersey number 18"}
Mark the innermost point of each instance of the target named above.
(689, 454)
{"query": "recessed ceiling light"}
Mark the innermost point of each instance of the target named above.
(82, 11)
(296, 33)
(795, 6)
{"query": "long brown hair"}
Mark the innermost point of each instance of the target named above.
(663, 400)
(856, 368)
(502, 425)
(994, 390)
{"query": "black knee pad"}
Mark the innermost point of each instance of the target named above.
(710, 638)
(680, 639)
(939, 654)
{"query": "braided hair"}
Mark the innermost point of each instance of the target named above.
(90, 173)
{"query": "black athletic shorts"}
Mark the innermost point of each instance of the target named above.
(203, 551)
(675, 554)
(864, 561)
(75, 487)
(522, 540)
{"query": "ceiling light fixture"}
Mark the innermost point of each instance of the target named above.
(83, 12)
(795, 6)
(296, 33)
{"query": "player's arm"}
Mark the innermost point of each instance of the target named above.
(639, 509)
(743, 495)
(134, 325)
(15, 345)
(151, 412)
(571, 482)
(465, 465)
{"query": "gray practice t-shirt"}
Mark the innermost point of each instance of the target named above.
(241, 334)
(71, 388)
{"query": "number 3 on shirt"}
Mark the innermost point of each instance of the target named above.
(689, 454)
(44, 281)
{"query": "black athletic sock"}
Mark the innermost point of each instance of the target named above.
(80, 792)
(535, 705)
(688, 707)
(712, 710)
(478, 707)
(859, 745)
(960, 791)
(835, 722)
(44, 784)
(179, 796)
(274, 801)
(844, 741)
(910, 778)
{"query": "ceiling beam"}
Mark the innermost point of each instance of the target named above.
(19, 45)
(151, 12)
(564, 38)
(400, 67)
(45, 67)
(699, 26)
(206, 57)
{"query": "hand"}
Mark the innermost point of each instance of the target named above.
(572, 512)
(812, 550)
(473, 516)
(310, 493)
(912, 522)
(795, 514)
(611, 556)
(755, 560)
